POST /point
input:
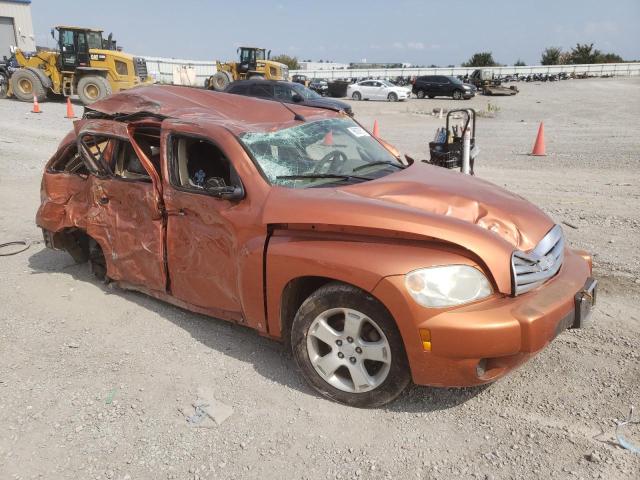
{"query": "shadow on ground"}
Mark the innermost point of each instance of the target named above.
(268, 357)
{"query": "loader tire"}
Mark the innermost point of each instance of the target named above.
(93, 88)
(4, 85)
(220, 80)
(26, 85)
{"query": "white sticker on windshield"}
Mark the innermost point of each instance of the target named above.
(358, 132)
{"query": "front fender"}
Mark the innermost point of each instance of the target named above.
(358, 261)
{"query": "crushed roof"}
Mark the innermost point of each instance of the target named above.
(236, 112)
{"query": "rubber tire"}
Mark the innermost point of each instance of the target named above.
(4, 87)
(37, 89)
(97, 262)
(392, 97)
(457, 95)
(420, 94)
(220, 81)
(357, 96)
(336, 294)
(104, 89)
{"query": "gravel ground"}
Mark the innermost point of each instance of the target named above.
(92, 379)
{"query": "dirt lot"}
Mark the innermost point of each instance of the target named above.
(91, 378)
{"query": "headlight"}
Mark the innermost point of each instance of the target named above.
(447, 286)
(466, 87)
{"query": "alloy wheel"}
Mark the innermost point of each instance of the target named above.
(348, 350)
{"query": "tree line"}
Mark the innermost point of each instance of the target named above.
(582, 53)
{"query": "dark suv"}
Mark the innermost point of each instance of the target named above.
(288, 92)
(442, 86)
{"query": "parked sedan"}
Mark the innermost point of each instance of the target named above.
(300, 224)
(442, 86)
(377, 90)
(288, 92)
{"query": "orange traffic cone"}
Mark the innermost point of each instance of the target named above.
(376, 131)
(36, 105)
(538, 147)
(70, 113)
(328, 138)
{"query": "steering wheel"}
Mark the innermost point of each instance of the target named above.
(332, 162)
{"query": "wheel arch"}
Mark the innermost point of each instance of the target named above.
(298, 264)
(294, 293)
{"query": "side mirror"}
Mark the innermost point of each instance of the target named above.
(216, 187)
(297, 98)
(53, 34)
(269, 55)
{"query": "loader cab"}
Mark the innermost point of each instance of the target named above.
(74, 44)
(249, 57)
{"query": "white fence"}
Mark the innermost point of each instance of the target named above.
(180, 71)
(596, 69)
(194, 72)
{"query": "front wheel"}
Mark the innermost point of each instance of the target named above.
(348, 347)
(25, 85)
(392, 97)
(4, 85)
(356, 96)
(420, 94)
(457, 95)
(93, 88)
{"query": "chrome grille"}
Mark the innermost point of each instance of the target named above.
(530, 270)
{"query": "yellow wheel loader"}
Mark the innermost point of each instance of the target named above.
(85, 65)
(254, 63)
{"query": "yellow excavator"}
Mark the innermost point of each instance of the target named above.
(254, 63)
(85, 64)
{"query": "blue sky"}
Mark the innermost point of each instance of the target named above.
(419, 32)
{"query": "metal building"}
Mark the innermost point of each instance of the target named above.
(16, 27)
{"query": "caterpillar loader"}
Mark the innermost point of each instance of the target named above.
(85, 64)
(254, 63)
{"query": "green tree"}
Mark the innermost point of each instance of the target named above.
(291, 62)
(551, 56)
(610, 58)
(481, 59)
(583, 53)
(520, 63)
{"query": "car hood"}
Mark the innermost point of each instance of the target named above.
(327, 102)
(422, 201)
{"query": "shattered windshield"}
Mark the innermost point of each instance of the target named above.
(332, 151)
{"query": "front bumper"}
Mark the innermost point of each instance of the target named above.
(481, 342)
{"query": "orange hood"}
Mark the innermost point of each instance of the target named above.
(425, 201)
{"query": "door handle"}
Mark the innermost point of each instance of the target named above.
(104, 200)
(180, 213)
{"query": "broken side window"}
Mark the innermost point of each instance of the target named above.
(197, 163)
(70, 161)
(126, 164)
(96, 152)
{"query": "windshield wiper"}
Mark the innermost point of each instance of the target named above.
(321, 175)
(381, 162)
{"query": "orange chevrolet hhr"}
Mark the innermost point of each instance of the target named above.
(296, 222)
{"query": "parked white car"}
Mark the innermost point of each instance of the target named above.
(377, 90)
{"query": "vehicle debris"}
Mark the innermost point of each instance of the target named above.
(206, 409)
(20, 243)
(622, 440)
